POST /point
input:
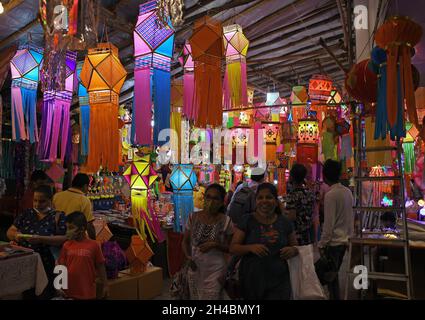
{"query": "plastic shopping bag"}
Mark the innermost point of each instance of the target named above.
(304, 282)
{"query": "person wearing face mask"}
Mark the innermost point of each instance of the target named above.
(84, 260)
(205, 244)
(41, 228)
(265, 240)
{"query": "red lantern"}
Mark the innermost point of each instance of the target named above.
(319, 88)
(361, 82)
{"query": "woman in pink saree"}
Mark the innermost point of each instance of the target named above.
(206, 244)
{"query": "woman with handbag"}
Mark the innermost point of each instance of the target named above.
(205, 244)
(265, 240)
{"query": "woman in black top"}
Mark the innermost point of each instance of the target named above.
(265, 240)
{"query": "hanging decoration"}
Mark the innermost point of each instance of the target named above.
(307, 145)
(190, 108)
(235, 77)
(141, 176)
(329, 138)
(208, 50)
(334, 97)
(83, 98)
(138, 254)
(153, 50)
(361, 82)
(398, 35)
(183, 180)
(103, 75)
(382, 124)
(299, 98)
(409, 148)
(55, 126)
(319, 88)
(25, 69)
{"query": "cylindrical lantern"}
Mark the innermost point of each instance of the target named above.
(141, 176)
(361, 82)
(235, 78)
(25, 70)
(153, 50)
(319, 88)
(103, 75)
(308, 135)
(55, 126)
(183, 180)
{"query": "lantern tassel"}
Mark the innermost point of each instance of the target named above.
(162, 102)
(409, 157)
(85, 125)
(24, 119)
(408, 87)
(183, 207)
(142, 107)
(190, 109)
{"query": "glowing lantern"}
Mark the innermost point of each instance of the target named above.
(141, 176)
(409, 148)
(153, 50)
(183, 180)
(190, 108)
(103, 75)
(308, 137)
(319, 88)
(235, 78)
(334, 97)
(207, 51)
(55, 124)
(25, 69)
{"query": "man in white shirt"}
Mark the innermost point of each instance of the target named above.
(338, 221)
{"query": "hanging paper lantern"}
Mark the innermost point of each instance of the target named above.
(55, 126)
(308, 135)
(409, 148)
(138, 254)
(361, 82)
(183, 180)
(250, 96)
(299, 95)
(25, 68)
(245, 117)
(334, 97)
(103, 75)
(235, 77)
(208, 50)
(397, 36)
(153, 50)
(272, 131)
(141, 176)
(319, 88)
(190, 109)
(239, 137)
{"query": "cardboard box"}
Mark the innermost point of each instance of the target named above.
(124, 287)
(150, 283)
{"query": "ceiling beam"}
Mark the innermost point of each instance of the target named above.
(18, 34)
(12, 5)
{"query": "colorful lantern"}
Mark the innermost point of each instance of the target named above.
(299, 95)
(138, 254)
(308, 137)
(141, 176)
(319, 88)
(207, 51)
(83, 97)
(153, 50)
(25, 69)
(55, 126)
(183, 180)
(235, 78)
(361, 82)
(103, 75)
(397, 36)
(334, 97)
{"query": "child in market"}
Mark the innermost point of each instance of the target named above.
(83, 259)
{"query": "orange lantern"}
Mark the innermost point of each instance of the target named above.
(398, 35)
(308, 137)
(103, 75)
(319, 88)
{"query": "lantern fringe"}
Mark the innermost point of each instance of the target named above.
(139, 204)
(85, 125)
(104, 139)
(162, 102)
(409, 157)
(235, 85)
(54, 129)
(209, 95)
(183, 207)
(154, 223)
(281, 181)
(175, 140)
(407, 85)
(142, 108)
(329, 149)
(190, 108)
(24, 116)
